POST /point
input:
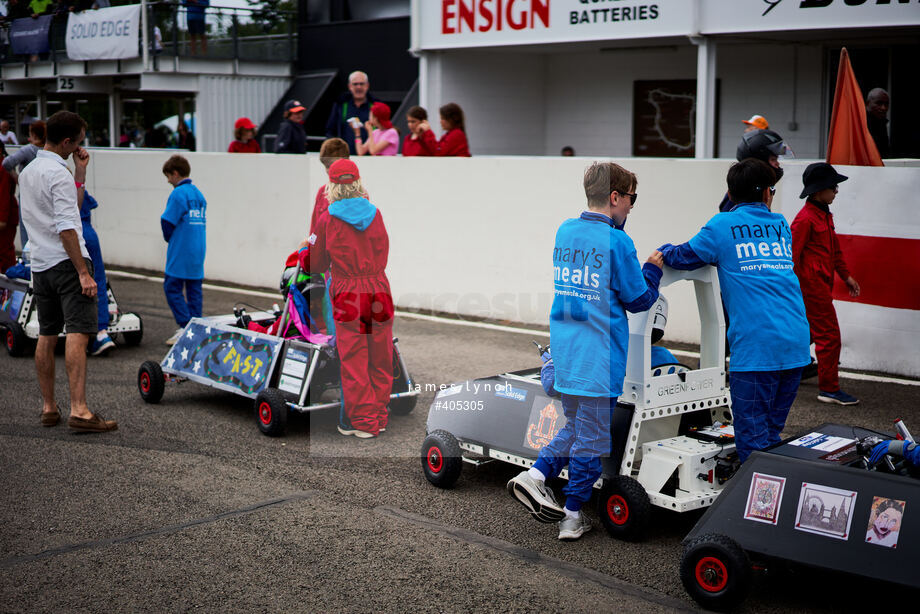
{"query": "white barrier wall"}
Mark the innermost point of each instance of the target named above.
(467, 236)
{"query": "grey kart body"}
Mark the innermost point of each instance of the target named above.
(509, 417)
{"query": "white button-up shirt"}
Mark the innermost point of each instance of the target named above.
(48, 206)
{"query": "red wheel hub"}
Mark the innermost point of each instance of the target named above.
(265, 413)
(711, 574)
(145, 382)
(617, 510)
(10, 340)
(435, 459)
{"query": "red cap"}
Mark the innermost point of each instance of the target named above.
(245, 123)
(343, 172)
(382, 113)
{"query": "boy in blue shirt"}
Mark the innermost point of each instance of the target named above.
(183, 225)
(768, 332)
(597, 279)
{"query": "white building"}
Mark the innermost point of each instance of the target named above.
(660, 77)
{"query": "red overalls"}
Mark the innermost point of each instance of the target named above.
(816, 254)
(363, 313)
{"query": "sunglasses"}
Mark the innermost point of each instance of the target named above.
(633, 197)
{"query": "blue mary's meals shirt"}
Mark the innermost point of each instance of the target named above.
(185, 209)
(595, 271)
(752, 248)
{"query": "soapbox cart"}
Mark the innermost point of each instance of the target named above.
(281, 373)
(673, 446)
(19, 317)
(812, 500)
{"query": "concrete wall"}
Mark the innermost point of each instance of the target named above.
(533, 103)
(472, 236)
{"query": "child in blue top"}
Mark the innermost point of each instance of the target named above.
(597, 279)
(768, 332)
(183, 225)
(103, 343)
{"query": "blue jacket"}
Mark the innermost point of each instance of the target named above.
(597, 278)
(184, 226)
(752, 249)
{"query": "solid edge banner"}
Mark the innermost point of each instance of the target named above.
(104, 34)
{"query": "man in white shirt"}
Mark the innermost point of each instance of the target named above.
(7, 136)
(62, 274)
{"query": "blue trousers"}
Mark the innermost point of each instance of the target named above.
(760, 404)
(580, 445)
(95, 254)
(187, 306)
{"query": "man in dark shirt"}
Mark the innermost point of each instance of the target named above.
(877, 103)
(356, 103)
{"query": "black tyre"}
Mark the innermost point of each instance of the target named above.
(15, 339)
(150, 381)
(133, 338)
(271, 412)
(441, 459)
(624, 508)
(402, 406)
(715, 571)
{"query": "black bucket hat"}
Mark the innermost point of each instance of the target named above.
(819, 176)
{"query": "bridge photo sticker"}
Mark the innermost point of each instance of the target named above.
(827, 511)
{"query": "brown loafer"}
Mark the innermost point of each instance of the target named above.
(96, 424)
(51, 418)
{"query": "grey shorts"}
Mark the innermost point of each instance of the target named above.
(60, 301)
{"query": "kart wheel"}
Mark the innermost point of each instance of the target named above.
(624, 508)
(441, 459)
(133, 337)
(271, 412)
(715, 571)
(150, 381)
(402, 406)
(15, 339)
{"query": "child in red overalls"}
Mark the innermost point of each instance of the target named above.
(816, 254)
(351, 239)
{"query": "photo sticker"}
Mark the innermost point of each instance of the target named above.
(885, 522)
(765, 496)
(825, 511)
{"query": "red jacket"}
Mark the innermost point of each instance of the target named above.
(413, 147)
(358, 259)
(250, 146)
(816, 250)
(453, 143)
(320, 205)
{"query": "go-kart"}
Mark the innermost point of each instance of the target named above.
(814, 500)
(19, 317)
(290, 367)
(673, 446)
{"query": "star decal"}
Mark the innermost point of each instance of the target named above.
(184, 353)
(207, 330)
(189, 333)
(197, 366)
(169, 361)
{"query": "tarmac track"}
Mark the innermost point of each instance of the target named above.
(187, 507)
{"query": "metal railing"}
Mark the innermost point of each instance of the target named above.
(255, 34)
